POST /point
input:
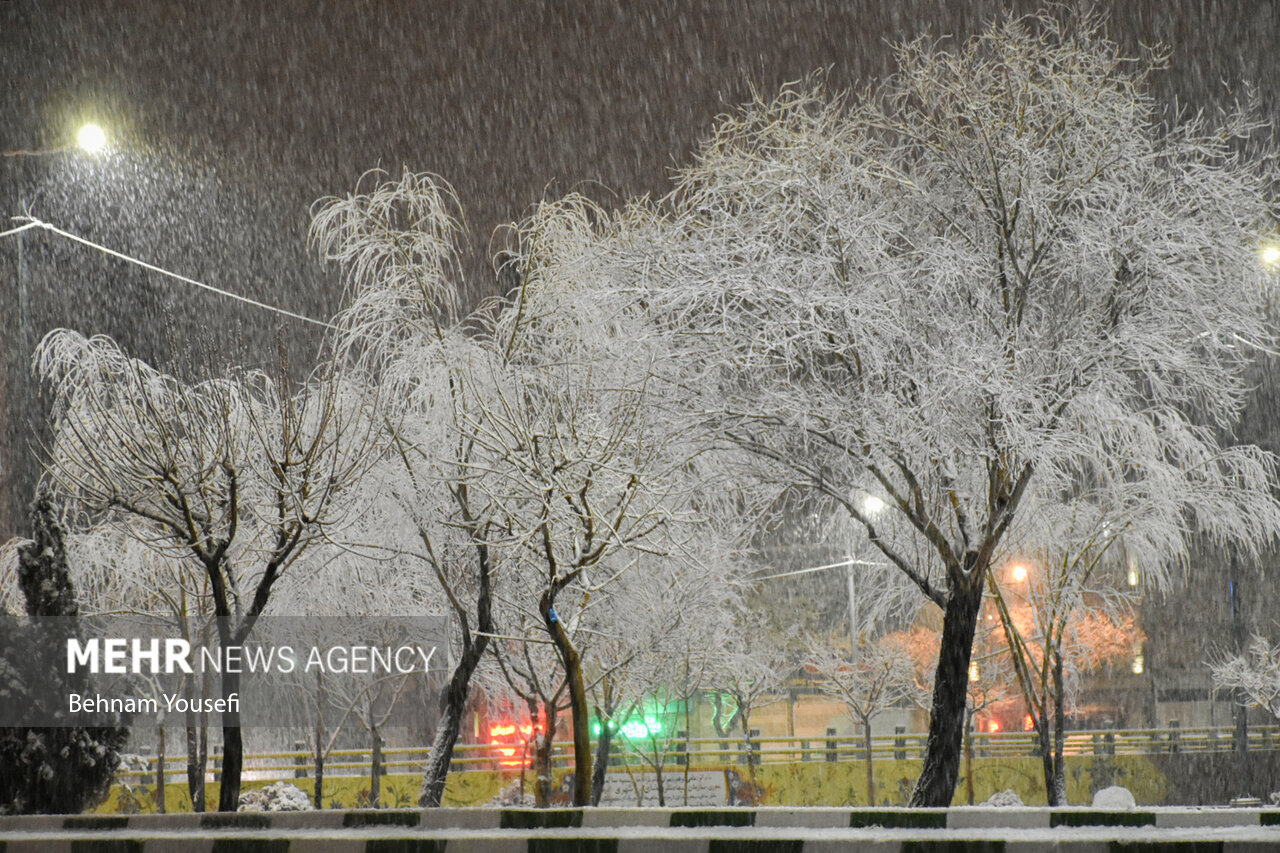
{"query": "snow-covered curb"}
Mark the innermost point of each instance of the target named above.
(970, 817)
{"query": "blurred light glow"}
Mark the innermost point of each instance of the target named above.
(1018, 573)
(91, 138)
(1139, 665)
(974, 673)
(508, 740)
(1271, 254)
(872, 505)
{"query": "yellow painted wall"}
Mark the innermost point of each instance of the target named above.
(808, 783)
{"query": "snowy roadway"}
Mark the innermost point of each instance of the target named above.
(764, 830)
(637, 839)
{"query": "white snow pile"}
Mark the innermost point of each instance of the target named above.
(276, 797)
(510, 796)
(1007, 797)
(132, 762)
(1115, 798)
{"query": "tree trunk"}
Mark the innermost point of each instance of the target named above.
(601, 768)
(453, 706)
(232, 745)
(195, 766)
(1059, 733)
(318, 791)
(1042, 726)
(581, 716)
(871, 771)
(197, 744)
(937, 783)
(319, 788)
(453, 702)
(543, 742)
(657, 773)
(744, 718)
(160, 756)
(375, 768)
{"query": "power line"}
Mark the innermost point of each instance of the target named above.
(32, 222)
(820, 569)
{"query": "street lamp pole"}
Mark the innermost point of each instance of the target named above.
(90, 139)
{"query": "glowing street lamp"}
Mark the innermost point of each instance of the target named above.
(91, 138)
(1018, 573)
(1269, 254)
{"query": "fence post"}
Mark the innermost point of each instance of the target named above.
(804, 750)
(899, 742)
(682, 746)
(1175, 734)
(217, 762)
(1109, 741)
(753, 748)
(831, 745)
(299, 772)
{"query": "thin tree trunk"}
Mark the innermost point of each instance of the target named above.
(543, 743)
(657, 772)
(1042, 726)
(453, 706)
(745, 722)
(197, 746)
(195, 772)
(375, 768)
(160, 756)
(1059, 733)
(232, 745)
(318, 791)
(206, 687)
(581, 716)
(204, 761)
(871, 770)
(453, 702)
(601, 768)
(937, 783)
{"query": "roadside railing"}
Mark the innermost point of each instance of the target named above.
(723, 753)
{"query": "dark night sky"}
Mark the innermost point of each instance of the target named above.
(231, 118)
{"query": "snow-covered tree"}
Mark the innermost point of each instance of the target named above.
(60, 768)
(527, 437)
(1001, 275)
(240, 474)
(1254, 674)
(874, 678)
(397, 244)
(1066, 608)
(124, 580)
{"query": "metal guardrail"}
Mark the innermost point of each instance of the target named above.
(720, 753)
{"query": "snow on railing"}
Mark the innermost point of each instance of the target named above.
(722, 753)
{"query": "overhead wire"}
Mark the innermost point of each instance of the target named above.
(32, 222)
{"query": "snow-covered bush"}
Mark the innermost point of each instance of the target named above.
(1007, 797)
(1114, 798)
(276, 797)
